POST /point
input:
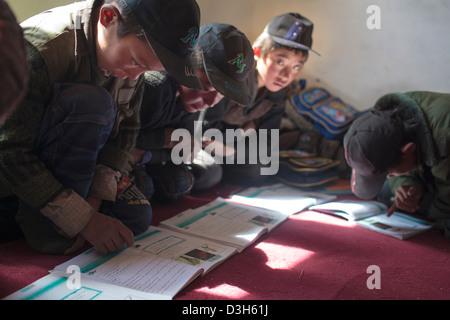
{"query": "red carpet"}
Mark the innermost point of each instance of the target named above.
(311, 256)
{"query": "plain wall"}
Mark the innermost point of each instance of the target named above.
(411, 51)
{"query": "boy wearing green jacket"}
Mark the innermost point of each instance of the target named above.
(405, 138)
(64, 151)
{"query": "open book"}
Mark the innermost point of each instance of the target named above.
(373, 215)
(165, 259)
(56, 287)
(225, 222)
(398, 225)
(158, 265)
(280, 198)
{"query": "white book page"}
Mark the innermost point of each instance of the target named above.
(183, 248)
(352, 209)
(280, 198)
(226, 222)
(56, 287)
(132, 269)
(398, 225)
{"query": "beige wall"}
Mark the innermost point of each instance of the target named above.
(411, 51)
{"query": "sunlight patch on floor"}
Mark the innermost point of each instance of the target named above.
(283, 257)
(225, 291)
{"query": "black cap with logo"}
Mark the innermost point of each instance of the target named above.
(171, 27)
(229, 61)
(291, 30)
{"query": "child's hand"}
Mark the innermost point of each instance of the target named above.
(107, 234)
(408, 197)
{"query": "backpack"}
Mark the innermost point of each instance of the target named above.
(326, 113)
(306, 172)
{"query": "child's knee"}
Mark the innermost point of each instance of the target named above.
(143, 219)
(131, 207)
(171, 182)
(86, 103)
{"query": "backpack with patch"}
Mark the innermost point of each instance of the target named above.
(326, 113)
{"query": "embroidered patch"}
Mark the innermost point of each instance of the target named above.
(296, 29)
(123, 184)
(238, 62)
(232, 88)
(191, 37)
(127, 191)
(189, 72)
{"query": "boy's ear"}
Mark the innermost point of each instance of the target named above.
(108, 14)
(408, 148)
(257, 52)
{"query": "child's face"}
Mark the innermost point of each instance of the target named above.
(408, 161)
(196, 100)
(279, 68)
(406, 165)
(122, 57)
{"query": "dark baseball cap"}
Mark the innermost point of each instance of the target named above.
(171, 27)
(228, 60)
(292, 30)
(371, 147)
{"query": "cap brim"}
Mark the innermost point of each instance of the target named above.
(292, 44)
(241, 92)
(367, 187)
(179, 67)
